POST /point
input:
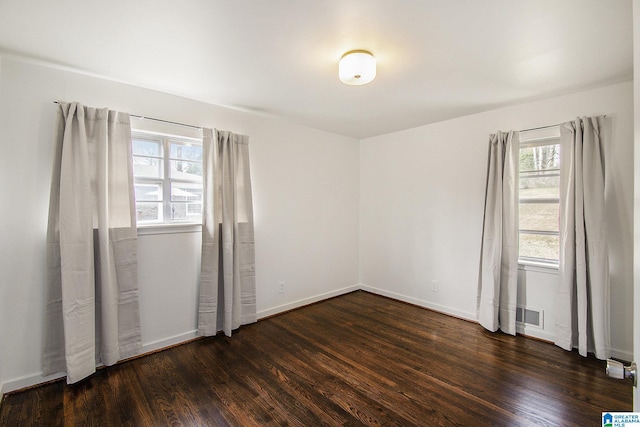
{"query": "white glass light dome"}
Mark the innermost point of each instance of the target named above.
(357, 67)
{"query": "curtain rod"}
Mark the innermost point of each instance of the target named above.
(158, 120)
(166, 121)
(548, 126)
(541, 127)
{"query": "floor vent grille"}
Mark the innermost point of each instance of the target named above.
(529, 316)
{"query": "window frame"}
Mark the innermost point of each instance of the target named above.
(533, 142)
(165, 223)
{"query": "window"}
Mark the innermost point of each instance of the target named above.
(167, 174)
(539, 197)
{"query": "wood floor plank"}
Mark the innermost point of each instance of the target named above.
(358, 359)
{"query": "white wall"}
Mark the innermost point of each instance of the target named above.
(305, 184)
(2, 296)
(422, 199)
(636, 267)
(407, 207)
(168, 310)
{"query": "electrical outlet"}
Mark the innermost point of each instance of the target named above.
(435, 286)
(281, 287)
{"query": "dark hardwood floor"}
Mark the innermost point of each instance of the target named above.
(359, 359)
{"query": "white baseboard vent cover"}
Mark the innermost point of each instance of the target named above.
(530, 316)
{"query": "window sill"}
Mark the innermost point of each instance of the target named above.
(543, 267)
(151, 229)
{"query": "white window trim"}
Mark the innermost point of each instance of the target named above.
(153, 229)
(538, 138)
(538, 265)
(156, 228)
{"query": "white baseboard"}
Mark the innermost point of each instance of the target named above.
(535, 332)
(29, 381)
(421, 303)
(622, 354)
(548, 336)
(38, 378)
(528, 331)
(305, 301)
(168, 342)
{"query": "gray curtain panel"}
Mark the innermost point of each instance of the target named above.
(227, 278)
(582, 304)
(498, 281)
(92, 313)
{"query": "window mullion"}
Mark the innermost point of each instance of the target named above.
(166, 187)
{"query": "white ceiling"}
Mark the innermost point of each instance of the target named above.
(437, 59)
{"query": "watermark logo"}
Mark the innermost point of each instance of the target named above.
(621, 419)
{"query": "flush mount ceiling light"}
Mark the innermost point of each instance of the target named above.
(357, 67)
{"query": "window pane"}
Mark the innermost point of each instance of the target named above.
(540, 158)
(186, 170)
(194, 209)
(186, 152)
(147, 167)
(148, 212)
(539, 216)
(539, 246)
(187, 202)
(186, 192)
(539, 170)
(149, 192)
(539, 186)
(191, 212)
(168, 179)
(143, 147)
